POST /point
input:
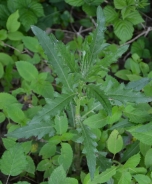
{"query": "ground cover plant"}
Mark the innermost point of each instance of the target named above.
(78, 112)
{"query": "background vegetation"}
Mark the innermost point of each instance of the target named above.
(76, 91)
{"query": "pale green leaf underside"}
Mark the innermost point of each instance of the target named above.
(38, 130)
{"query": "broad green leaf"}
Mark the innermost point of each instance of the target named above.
(104, 176)
(5, 59)
(110, 14)
(51, 49)
(1, 70)
(66, 157)
(16, 114)
(7, 99)
(15, 36)
(127, 95)
(12, 23)
(61, 124)
(31, 43)
(136, 114)
(125, 178)
(30, 168)
(2, 117)
(122, 74)
(13, 161)
(148, 158)
(70, 181)
(142, 179)
(89, 148)
(47, 150)
(144, 148)
(140, 170)
(43, 88)
(44, 165)
(58, 176)
(115, 142)
(119, 4)
(89, 9)
(96, 121)
(100, 95)
(123, 30)
(53, 106)
(142, 133)
(132, 162)
(8, 142)
(134, 17)
(29, 11)
(39, 130)
(3, 34)
(75, 2)
(27, 70)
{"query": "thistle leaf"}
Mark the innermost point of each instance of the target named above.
(89, 148)
(54, 106)
(127, 95)
(52, 50)
(100, 95)
(38, 130)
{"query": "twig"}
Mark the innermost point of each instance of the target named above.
(141, 34)
(7, 45)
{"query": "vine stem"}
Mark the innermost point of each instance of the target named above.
(7, 179)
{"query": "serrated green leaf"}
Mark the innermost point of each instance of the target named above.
(12, 23)
(51, 48)
(125, 178)
(115, 142)
(96, 121)
(138, 85)
(3, 34)
(127, 95)
(144, 148)
(39, 130)
(13, 161)
(142, 133)
(123, 30)
(134, 17)
(48, 150)
(148, 158)
(136, 114)
(110, 14)
(132, 162)
(7, 99)
(142, 179)
(31, 43)
(122, 74)
(30, 168)
(89, 9)
(29, 12)
(44, 165)
(1, 70)
(90, 148)
(66, 157)
(59, 171)
(61, 124)
(120, 4)
(100, 95)
(53, 106)
(104, 176)
(27, 70)
(75, 2)
(8, 142)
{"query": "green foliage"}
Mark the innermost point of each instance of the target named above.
(78, 112)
